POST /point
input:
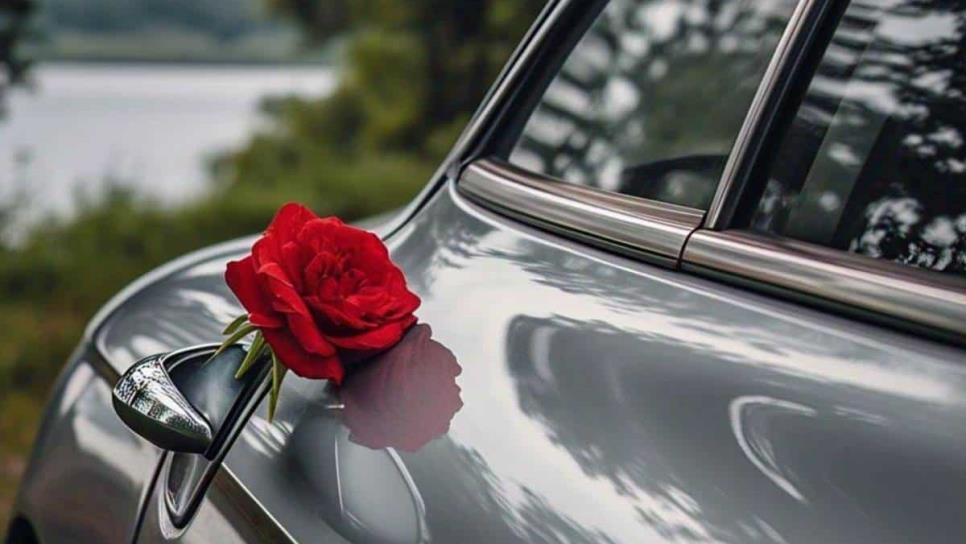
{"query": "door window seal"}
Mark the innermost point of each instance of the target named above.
(648, 229)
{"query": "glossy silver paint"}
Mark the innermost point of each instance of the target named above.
(228, 514)
(598, 399)
(88, 474)
(655, 228)
(603, 398)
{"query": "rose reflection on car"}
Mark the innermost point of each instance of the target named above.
(401, 400)
(406, 397)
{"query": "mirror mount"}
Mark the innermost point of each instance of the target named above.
(183, 402)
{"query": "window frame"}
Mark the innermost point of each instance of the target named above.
(698, 241)
(924, 302)
(647, 229)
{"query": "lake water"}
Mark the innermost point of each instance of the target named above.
(151, 126)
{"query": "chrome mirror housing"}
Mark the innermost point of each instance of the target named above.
(150, 404)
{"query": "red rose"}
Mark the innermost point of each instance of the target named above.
(404, 398)
(318, 288)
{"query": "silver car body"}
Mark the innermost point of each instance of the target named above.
(617, 384)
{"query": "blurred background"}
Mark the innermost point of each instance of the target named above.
(133, 131)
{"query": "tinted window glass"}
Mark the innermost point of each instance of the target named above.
(874, 161)
(652, 97)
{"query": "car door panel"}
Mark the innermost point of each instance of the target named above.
(88, 474)
(226, 514)
(606, 399)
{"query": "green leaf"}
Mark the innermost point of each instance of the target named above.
(242, 332)
(233, 326)
(254, 351)
(278, 374)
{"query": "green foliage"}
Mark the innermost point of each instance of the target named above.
(416, 70)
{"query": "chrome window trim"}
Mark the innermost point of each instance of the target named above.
(900, 294)
(792, 47)
(644, 227)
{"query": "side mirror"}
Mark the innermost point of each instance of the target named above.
(183, 402)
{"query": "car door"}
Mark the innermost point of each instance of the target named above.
(607, 350)
(88, 475)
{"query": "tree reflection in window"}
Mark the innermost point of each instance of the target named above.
(650, 100)
(874, 161)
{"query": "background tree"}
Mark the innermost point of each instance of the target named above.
(14, 16)
(411, 75)
(413, 71)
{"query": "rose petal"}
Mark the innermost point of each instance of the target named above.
(241, 279)
(280, 290)
(330, 234)
(289, 220)
(406, 302)
(284, 228)
(336, 316)
(299, 361)
(375, 339)
(264, 321)
(297, 315)
(304, 330)
(293, 265)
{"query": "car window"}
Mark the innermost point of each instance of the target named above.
(874, 160)
(651, 99)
